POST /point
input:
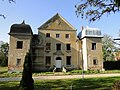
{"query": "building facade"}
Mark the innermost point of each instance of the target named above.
(55, 47)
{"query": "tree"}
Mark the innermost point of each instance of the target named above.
(27, 81)
(3, 54)
(108, 48)
(95, 9)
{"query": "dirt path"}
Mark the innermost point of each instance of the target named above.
(61, 77)
(74, 76)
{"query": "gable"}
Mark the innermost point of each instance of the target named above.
(57, 22)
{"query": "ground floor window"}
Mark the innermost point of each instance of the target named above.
(68, 60)
(48, 60)
(18, 62)
(95, 62)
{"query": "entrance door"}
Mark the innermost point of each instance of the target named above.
(58, 62)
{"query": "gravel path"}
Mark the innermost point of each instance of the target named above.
(61, 77)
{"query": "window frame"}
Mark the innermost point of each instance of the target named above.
(68, 61)
(18, 61)
(67, 36)
(94, 45)
(48, 60)
(57, 35)
(19, 45)
(48, 35)
(48, 46)
(58, 48)
(95, 61)
(68, 47)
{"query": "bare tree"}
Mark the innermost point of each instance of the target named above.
(95, 9)
(10, 1)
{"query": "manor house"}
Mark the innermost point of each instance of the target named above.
(56, 46)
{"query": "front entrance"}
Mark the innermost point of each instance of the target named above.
(58, 62)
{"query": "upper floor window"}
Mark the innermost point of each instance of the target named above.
(48, 46)
(19, 44)
(68, 60)
(58, 46)
(18, 62)
(57, 35)
(47, 34)
(93, 46)
(67, 35)
(68, 46)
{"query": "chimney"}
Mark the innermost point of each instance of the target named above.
(82, 28)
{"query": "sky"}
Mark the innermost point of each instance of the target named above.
(37, 12)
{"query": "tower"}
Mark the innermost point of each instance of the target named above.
(19, 45)
(91, 39)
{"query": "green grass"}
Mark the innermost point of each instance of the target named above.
(68, 84)
(4, 72)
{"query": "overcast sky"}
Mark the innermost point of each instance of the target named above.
(37, 12)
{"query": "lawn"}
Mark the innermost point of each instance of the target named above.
(71, 84)
(4, 72)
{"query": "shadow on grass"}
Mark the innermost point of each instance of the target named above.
(68, 84)
(9, 85)
(2, 72)
(77, 84)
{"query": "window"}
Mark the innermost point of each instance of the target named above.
(95, 62)
(47, 34)
(48, 60)
(58, 46)
(18, 62)
(48, 46)
(68, 47)
(57, 35)
(19, 44)
(93, 46)
(68, 60)
(67, 36)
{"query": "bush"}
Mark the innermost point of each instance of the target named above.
(111, 65)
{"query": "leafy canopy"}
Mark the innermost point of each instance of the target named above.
(94, 9)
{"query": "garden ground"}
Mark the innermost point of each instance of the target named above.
(64, 81)
(104, 83)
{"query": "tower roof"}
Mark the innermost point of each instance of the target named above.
(20, 29)
(90, 32)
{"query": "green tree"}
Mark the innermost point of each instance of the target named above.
(27, 82)
(108, 48)
(3, 54)
(95, 9)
